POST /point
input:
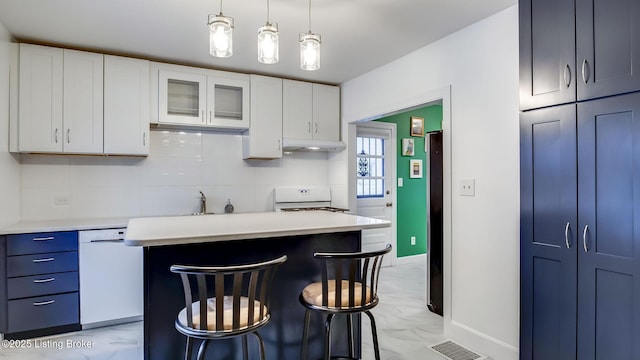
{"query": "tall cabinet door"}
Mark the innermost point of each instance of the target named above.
(126, 106)
(548, 234)
(40, 100)
(609, 219)
(547, 53)
(608, 47)
(83, 88)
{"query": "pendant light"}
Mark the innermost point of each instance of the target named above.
(309, 48)
(220, 35)
(268, 48)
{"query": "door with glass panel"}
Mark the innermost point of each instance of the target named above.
(375, 164)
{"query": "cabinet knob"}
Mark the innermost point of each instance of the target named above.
(567, 75)
(585, 71)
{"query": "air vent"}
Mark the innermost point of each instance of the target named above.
(454, 351)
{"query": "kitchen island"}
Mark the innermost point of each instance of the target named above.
(231, 239)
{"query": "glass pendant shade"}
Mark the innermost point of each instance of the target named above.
(268, 47)
(309, 51)
(220, 35)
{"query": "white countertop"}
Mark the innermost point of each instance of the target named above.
(172, 230)
(24, 227)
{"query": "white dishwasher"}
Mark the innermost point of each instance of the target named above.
(111, 278)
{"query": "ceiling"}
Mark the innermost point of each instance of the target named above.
(357, 35)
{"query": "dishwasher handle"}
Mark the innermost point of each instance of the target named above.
(107, 241)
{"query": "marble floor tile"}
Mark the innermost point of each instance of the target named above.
(406, 329)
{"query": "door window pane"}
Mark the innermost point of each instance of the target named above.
(369, 167)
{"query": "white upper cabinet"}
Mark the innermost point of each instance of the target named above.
(126, 106)
(297, 109)
(311, 111)
(264, 138)
(201, 97)
(83, 105)
(326, 112)
(40, 99)
(60, 105)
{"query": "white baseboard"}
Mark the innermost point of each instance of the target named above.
(482, 343)
(413, 259)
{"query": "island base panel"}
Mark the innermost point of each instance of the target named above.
(164, 296)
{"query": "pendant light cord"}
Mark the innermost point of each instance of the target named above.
(267, 11)
(309, 16)
(220, 7)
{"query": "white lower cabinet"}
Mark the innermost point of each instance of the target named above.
(126, 106)
(264, 138)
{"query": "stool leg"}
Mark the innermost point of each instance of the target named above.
(202, 349)
(374, 333)
(350, 334)
(188, 350)
(327, 337)
(260, 344)
(305, 334)
(245, 348)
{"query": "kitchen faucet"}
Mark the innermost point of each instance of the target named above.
(203, 203)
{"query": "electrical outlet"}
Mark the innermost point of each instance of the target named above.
(413, 240)
(468, 187)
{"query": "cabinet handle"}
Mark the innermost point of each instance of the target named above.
(43, 260)
(566, 235)
(203, 118)
(40, 281)
(44, 303)
(279, 144)
(44, 238)
(584, 238)
(56, 136)
(144, 139)
(210, 117)
(316, 128)
(309, 125)
(567, 75)
(585, 71)
(68, 136)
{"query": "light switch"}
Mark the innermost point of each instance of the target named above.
(468, 187)
(400, 182)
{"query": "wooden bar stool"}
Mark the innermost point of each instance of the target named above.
(349, 285)
(239, 306)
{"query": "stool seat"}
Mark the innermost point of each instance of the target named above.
(349, 286)
(227, 316)
(312, 294)
(225, 301)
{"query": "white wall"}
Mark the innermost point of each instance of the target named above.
(9, 166)
(166, 183)
(480, 64)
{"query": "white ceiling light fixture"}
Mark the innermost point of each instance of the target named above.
(268, 47)
(220, 34)
(310, 48)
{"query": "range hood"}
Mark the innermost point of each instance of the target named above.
(311, 145)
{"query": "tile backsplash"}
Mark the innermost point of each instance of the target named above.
(167, 182)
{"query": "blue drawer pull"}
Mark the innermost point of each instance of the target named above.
(40, 281)
(43, 260)
(44, 303)
(44, 238)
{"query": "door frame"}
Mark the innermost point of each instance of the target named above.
(440, 95)
(393, 152)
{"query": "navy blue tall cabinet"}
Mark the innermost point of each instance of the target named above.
(580, 179)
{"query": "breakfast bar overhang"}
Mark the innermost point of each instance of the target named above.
(231, 239)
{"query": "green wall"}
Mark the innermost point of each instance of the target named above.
(411, 203)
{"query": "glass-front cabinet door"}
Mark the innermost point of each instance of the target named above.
(228, 102)
(182, 97)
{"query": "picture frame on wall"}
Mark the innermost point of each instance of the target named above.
(417, 126)
(415, 169)
(408, 147)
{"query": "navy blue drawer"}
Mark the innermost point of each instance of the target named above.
(38, 285)
(26, 265)
(43, 312)
(42, 243)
